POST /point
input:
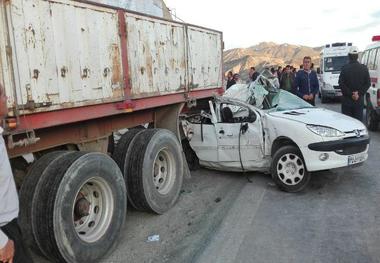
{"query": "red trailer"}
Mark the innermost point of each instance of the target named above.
(75, 73)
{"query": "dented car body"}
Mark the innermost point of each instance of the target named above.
(260, 128)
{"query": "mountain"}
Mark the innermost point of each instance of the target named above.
(267, 54)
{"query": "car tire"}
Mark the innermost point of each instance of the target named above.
(81, 208)
(155, 171)
(289, 170)
(371, 119)
(27, 201)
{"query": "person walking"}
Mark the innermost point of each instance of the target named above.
(354, 81)
(12, 248)
(306, 84)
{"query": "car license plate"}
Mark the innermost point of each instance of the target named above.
(357, 158)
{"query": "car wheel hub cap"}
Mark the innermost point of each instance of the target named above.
(290, 169)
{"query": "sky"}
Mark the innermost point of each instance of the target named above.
(245, 23)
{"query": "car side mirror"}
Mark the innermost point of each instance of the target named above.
(251, 117)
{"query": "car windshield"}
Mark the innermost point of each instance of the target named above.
(263, 95)
(335, 63)
(283, 100)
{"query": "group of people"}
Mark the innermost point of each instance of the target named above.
(354, 81)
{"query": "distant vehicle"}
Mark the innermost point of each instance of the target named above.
(333, 58)
(256, 128)
(371, 58)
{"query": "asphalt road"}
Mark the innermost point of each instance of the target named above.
(222, 217)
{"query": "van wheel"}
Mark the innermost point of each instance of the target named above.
(371, 119)
(323, 99)
(81, 209)
(288, 169)
(155, 171)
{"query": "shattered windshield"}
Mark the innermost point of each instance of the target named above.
(285, 100)
(263, 95)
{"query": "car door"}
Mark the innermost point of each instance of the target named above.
(200, 130)
(240, 137)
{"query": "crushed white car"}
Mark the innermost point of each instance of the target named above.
(257, 127)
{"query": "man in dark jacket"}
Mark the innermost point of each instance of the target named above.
(354, 81)
(253, 74)
(306, 84)
(230, 80)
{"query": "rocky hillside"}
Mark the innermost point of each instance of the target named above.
(267, 54)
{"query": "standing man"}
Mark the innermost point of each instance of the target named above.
(306, 83)
(354, 81)
(12, 248)
(230, 80)
(253, 74)
(287, 79)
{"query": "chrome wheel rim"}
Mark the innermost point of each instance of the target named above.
(164, 171)
(290, 169)
(93, 209)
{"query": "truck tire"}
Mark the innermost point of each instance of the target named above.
(81, 209)
(372, 122)
(288, 169)
(26, 196)
(122, 147)
(155, 171)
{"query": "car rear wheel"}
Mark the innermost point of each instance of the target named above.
(288, 169)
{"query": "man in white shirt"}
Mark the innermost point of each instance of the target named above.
(12, 248)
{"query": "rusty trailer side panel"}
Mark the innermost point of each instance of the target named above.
(157, 56)
(60, 54)
(205, 58)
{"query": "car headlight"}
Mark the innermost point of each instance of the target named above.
(325, 131)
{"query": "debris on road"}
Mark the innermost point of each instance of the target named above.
(153, 238)
(217, 200)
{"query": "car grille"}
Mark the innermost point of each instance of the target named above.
(336, 87)
(352, 149)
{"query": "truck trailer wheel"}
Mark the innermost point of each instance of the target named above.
(81, 209)
(121, 150)
(288, 169)
(155, 171)
(26, 195)
(371, 121)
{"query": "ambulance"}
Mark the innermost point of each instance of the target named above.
(333, 57)
(371, 58)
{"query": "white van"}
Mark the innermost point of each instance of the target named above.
(371, 58)
(333, 58)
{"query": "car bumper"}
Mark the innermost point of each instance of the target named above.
(331, 93)
(336, 154)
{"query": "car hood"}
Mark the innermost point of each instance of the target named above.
(323, 117)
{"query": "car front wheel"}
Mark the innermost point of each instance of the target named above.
(288, 169)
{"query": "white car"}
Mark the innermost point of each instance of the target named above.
(259, 128)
